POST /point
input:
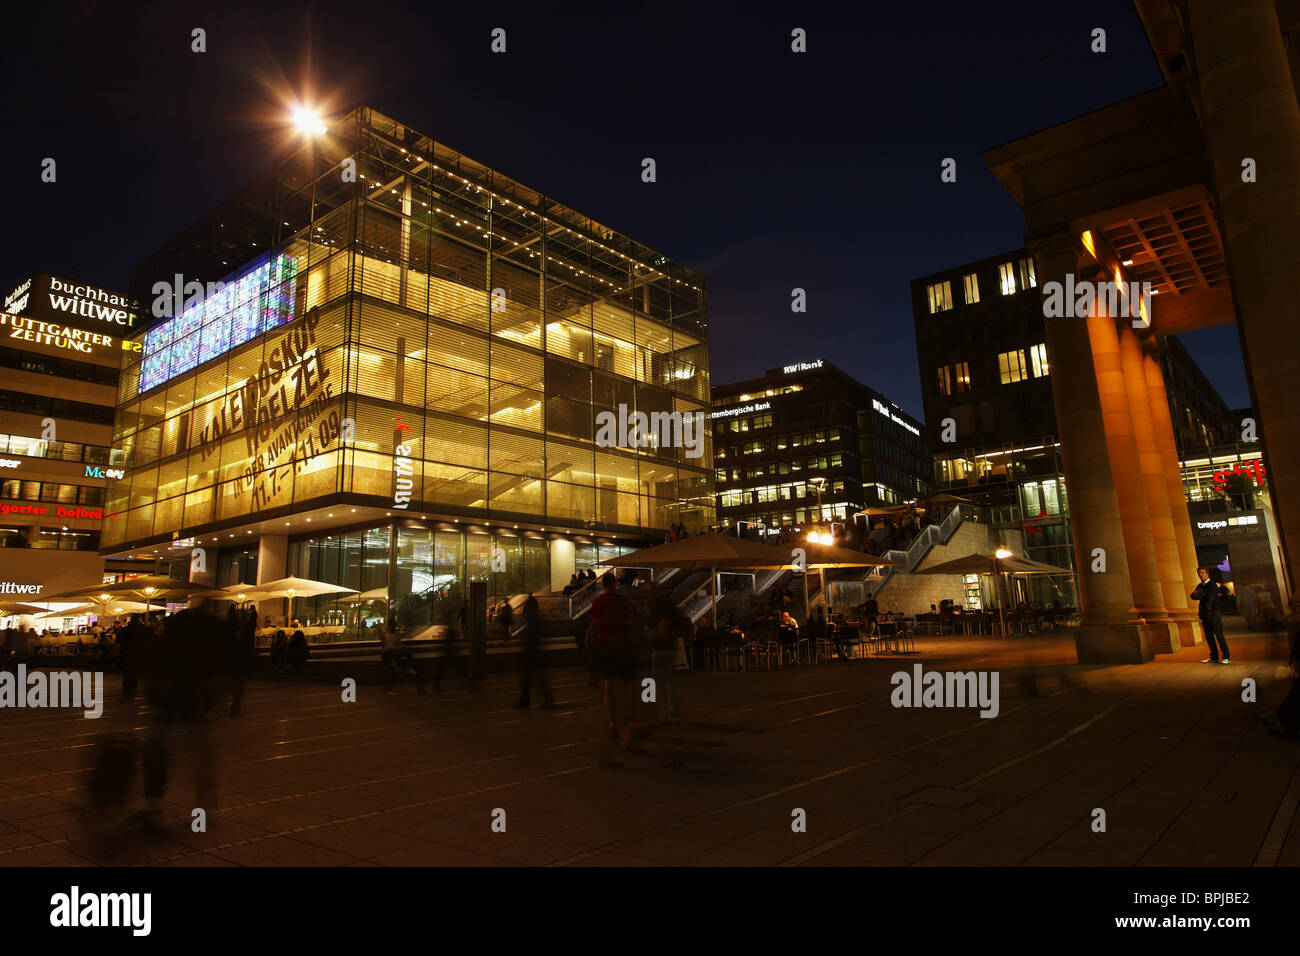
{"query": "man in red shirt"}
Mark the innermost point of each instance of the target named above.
(614, 618)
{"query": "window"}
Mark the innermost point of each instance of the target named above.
(1038, 356)
(1028, 280)
(940, 295)
(1007, 277)
(1011, 366)
(954, 378)
(971, 283)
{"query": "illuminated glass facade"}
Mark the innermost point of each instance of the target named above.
(432, 339)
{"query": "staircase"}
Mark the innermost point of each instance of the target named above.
(930, 536)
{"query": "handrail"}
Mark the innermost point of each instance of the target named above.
(930, 536)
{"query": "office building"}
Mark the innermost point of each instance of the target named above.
(774, 436)
(398, 381)
(63, 342)
(990, 411)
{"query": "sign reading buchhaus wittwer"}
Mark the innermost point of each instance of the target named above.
(400, 391)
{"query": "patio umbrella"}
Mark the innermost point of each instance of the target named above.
(150, 587)
(231, 592)
(991, 564)
(16, 607)
(115, 607)
(711, 551)
(295, 587)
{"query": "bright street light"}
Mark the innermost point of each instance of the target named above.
(307, 120)
(1002, 553)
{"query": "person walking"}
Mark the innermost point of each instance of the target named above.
(666, 626)
(180, 665)
(237, 636)
(532, 672)
(1212, 598)
(393, 656)
(130, 646)
(615, 618)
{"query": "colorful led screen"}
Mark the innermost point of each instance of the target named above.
(259, 300)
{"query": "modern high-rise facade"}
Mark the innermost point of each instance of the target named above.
(989, 407)
(397, 382)
(775, 436)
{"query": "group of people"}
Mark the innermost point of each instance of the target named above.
(579, 580)
(676, 533)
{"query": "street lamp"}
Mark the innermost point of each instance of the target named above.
(998, 556)
(307, 120)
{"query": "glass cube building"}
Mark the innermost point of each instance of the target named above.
(381, 365)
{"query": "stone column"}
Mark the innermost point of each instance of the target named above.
(1152, 476)
(272, 553)
(1249, 111)
(1111, 631)
(1179, 602)
(1126, 472)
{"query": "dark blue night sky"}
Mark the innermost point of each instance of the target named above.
(775, 170)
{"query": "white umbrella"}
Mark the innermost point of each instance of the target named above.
(295, 587)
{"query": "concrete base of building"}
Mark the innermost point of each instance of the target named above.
(1165, 638)
(1190, 633)
(1113, 644)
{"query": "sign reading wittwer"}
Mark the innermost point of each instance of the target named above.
(50, 297)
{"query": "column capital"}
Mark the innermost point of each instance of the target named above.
(1056, 242)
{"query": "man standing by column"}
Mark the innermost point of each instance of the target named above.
(1213, 597)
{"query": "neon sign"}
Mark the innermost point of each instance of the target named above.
(258, 301)
(1255, 468)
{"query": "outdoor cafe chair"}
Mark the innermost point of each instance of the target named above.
(733, 645)
(793, 645)
(848, 636)
(762, 642)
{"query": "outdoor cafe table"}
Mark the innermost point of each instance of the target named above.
(314, 635)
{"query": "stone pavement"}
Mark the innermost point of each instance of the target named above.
(1184, 772)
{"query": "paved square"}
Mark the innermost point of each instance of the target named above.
(1184, 772)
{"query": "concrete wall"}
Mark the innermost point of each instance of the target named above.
(914, 593)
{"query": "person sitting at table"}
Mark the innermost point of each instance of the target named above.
(788, 621)
(297, 651)
(279, 648)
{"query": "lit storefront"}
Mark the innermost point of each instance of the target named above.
(1234, 529)
(401, 394)
(61, 344)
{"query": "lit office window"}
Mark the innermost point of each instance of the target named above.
(962, 377)
(1038, 356)
(1007, 276)
(971, 283)
(940, 295)
(1011, 366)
(1028, 280)
(945, 380)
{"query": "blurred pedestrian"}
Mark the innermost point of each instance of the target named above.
(180, 666)
(615, 619)
(532, 672)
